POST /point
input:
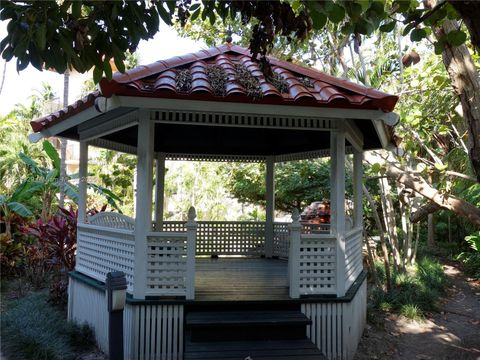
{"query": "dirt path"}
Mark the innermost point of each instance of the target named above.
(453, 333)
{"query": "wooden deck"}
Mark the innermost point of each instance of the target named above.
(241, 279)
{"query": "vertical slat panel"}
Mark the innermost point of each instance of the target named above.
(164, 332)
(334, 331)
(141, 323)
(158, 333)
(175, 333)
(169, 331)
(148, 325)
(180, 333)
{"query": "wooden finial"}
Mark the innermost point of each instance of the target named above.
(192, 214)
(295, 215)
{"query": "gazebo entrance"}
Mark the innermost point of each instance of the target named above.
(298, 114)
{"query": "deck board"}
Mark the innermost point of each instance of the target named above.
(240, 279)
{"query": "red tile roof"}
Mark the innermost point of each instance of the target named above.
(304, 86)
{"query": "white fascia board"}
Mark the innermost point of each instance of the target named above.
(241, 108)
(77, 119)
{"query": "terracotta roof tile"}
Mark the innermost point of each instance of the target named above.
(159, 80)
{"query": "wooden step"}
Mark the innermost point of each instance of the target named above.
(242, 318)
(257, 350)
(246, 325)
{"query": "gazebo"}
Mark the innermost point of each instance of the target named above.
(302, 285)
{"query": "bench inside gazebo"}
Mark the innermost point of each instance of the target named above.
(216, 105)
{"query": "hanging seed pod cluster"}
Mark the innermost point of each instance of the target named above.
(306, 81)
(183, 80)
(279, 82)
(249, 82)
(218, 79)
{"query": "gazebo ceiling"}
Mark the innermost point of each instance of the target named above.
(226, 74)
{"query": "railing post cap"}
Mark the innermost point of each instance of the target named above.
(295, 215)
(192, 214)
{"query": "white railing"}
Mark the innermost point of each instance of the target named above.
(281, 239)
(112, 220)
(101, 250)
(171, 261)
(353, 255)
(312, 261)
(225, 237)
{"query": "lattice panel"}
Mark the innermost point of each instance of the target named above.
(281, 240)
(102, 250)
(166, 264)
(230, 238)
(225, 237)
(173, 226)
(112, 220)
(353, 256)
(317, 265)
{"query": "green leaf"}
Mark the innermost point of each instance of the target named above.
(388, 26)
(364, 27)
(440, 167)
(318, 19)
(376, 167)
(336, 13)
(41, 36)
(19, 209)
(52, 154)
(76, 9)
(456, 37)
(407, 29)
(438, 47)
(107, 68)
(71, 191)
(195, 14)
(167, 19)
(418, 34)
(97, 74)
(3, 200)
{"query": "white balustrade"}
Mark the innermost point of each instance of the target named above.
(353, 255)
(312, 260)
(101, 250)
(281, 239)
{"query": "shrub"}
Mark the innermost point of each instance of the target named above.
(413, 292)
(32, 329)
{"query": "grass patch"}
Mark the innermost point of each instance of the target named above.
(34, 329)
(413, 292)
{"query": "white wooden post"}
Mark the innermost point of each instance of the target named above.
(337, 200)
(143, 213)
(159, 190)
(191, 226)
(270, 205)
(82, 183)
(294, 256)
(357, 188)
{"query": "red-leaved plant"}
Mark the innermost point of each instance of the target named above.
(56, 239)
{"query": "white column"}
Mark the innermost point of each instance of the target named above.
(82, 183)
(357, 188)
(191, 226)
(159, 190)
(143, 213)
(270, 205)
(337, 204)
(294, 256)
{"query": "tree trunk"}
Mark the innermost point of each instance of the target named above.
(431, 231)
(470, 13)
(415, 182)
(423, 212)
(465, 80)
(390, 221)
